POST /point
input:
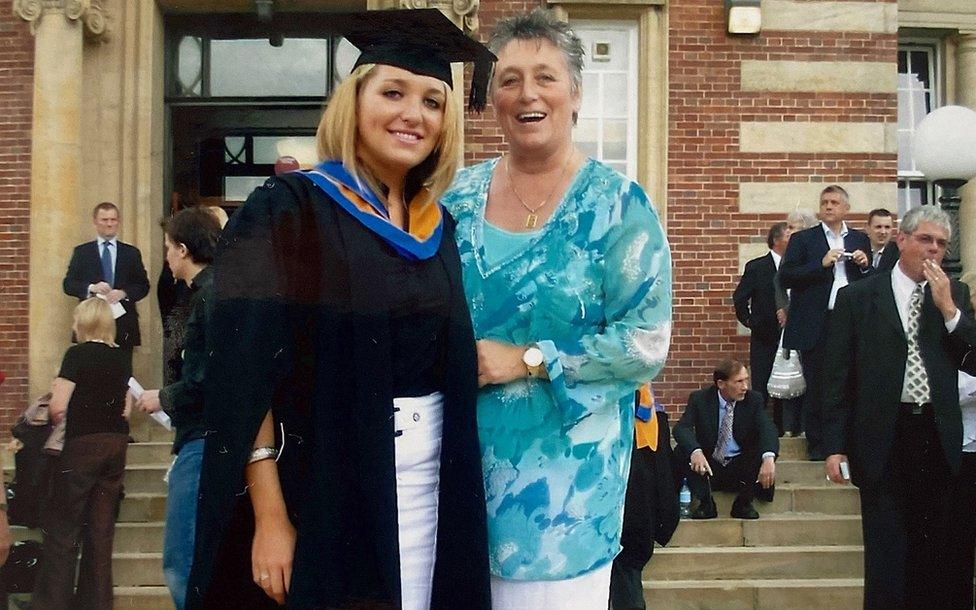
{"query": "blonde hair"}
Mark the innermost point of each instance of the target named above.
(337, 138)
(218, 213)
(94, 321)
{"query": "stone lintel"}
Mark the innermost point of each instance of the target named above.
(871, 17)
(784, 197)
(817, 137)
(817, 76)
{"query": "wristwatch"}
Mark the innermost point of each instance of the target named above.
(533, 360)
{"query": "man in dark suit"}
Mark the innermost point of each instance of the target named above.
(820, 261)
(729, 441)
(884, 251)
(755, 307)
(891, 408)
(111, 269)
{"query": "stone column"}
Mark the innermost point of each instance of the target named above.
(55, 173)
(966, 96)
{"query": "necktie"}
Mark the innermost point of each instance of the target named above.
(916, 379)
(107, 274)
(724, 436)
(877, 259)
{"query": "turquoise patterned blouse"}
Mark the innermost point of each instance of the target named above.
(593, 290)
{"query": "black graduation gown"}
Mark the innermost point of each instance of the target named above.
(296, 330)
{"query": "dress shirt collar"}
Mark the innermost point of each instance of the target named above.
(113, 241)
(723, 404)
(902, 284)
(829, 233)
(776, 258)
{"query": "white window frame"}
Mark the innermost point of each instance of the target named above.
(934, 47)
(631, 27)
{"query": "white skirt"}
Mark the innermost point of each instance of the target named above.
(418, 422)
(591, 591)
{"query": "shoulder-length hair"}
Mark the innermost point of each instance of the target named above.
(94, 321)
(337, 138)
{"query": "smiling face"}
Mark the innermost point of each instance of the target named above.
(879, 230)
(533, 95)
(400, 119)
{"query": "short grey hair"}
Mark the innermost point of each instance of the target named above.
(925, 213)
(541, 23)
(801, 219)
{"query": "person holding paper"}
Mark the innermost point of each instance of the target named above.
(112, 270)
(90, 391)
(190, 237)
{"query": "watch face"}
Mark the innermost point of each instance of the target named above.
(532, 356)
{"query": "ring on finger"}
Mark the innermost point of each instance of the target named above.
(265, 576)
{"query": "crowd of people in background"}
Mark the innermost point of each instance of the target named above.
(398, 384)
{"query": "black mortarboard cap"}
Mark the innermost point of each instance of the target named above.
(423, 41)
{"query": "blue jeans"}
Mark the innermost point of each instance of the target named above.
(181, 519)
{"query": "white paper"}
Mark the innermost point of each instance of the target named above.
(117, 309)
(136, 389)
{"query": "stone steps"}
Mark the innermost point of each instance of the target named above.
(805, 551)
(773, 530)
(760, 594)
(765, 562)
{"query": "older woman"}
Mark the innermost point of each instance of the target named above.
(344, 350)
(90, 391)
(568, 277)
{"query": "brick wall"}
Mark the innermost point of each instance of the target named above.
(705, 226)
(704, 223)
(16, 92)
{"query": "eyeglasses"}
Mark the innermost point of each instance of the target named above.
(928, 240)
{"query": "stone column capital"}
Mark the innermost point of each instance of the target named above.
(464, 13)
(89, 12)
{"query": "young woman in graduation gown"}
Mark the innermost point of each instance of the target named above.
(344, 348)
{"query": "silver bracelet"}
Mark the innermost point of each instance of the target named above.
(262, 453)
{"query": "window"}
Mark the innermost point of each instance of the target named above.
(253, 68)
(918, 94)
(607, 126)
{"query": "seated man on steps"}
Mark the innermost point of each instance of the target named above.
(730, 441)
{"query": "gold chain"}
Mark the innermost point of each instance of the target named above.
(532, 218)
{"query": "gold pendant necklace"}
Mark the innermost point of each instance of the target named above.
(532, 218)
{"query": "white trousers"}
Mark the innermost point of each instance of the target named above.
(418, 422)
(591, 591)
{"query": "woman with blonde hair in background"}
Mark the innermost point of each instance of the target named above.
(91, 393)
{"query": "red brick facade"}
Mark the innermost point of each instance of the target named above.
(16, 94)
(704, 224)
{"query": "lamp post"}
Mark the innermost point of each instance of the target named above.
(944, 149)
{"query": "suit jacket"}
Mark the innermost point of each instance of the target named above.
(85, 268)
(889, 256)
(755, 300)
(802, 270)
(864, 367)
(752, 428)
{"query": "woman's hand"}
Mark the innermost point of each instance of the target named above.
(499, 362)
(272, 553)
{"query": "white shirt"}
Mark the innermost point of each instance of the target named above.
(967, 403)
(836, 242)
(903, 287)
(777, 259)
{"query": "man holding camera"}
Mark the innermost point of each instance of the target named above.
(820, 261)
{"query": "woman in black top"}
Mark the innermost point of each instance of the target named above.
(339, 319)
(90, 391)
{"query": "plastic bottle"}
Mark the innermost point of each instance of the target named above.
(684, 499)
